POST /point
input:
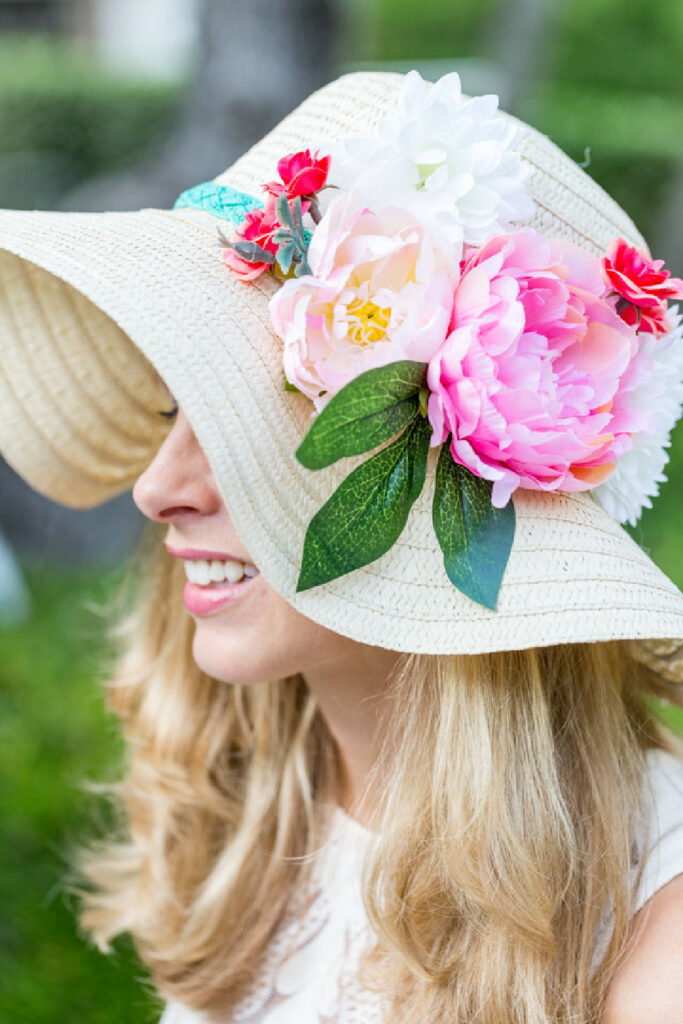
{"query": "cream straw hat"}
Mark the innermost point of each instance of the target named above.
(91, 305)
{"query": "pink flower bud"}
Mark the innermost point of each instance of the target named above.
(643, 284)
(302, 174)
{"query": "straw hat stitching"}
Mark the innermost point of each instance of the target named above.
(48, 399)
(68, 296)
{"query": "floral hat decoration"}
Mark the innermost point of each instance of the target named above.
(417, 311)
(430, 362)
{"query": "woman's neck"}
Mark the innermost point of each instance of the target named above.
(353, 696)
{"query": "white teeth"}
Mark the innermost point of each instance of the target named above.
(203, 572)
(234, 571)
(216, 572)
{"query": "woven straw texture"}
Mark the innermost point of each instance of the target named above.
(92, 304)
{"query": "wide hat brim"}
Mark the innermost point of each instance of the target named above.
(93, 306)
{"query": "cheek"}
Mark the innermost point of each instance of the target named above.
(261, 640)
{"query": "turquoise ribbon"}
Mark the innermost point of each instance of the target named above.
(221, 201)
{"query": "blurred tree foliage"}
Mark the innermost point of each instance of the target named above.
(624, 46)
(63, 119)
(438, 29)
(616, 45)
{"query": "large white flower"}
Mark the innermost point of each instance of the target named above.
(638, 474)
(441, 156)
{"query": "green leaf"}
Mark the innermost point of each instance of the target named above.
(475, 537)
(368, 511)
(292, 236)
(369, 410)
(297, 218)
(285, 253)
(301, 266)
(283, 212)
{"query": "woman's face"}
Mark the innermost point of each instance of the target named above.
(245, 632)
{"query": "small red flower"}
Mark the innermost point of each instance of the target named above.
(643, 284)
(258, 226)
(303, 174)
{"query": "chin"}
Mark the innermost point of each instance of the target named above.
(228, 662)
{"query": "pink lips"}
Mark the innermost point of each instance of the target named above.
(205, 600)
(208, 556)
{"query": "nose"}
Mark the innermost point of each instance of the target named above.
(178, 483)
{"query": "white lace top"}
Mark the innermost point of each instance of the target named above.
(308, 975)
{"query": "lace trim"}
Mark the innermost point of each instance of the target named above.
(309, 974)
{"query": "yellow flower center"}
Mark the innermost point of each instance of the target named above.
(367, 322)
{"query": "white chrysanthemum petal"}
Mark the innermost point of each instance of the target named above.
(456, 151)
(638, 474)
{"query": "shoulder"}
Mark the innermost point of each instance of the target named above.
(661, 844)
(648, 987)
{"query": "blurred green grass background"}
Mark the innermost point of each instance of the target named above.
(55, 735)
(613, 83)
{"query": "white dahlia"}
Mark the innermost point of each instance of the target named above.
(638, 473)
(442, 157)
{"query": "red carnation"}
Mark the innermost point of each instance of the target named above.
(259, 226)
(643, 284)
(303, 174)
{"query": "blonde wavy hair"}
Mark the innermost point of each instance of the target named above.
(508, 819)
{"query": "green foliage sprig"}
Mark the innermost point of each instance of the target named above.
(365, 516)
(291, 238)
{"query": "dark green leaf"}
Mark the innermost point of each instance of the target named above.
(369, 410)
(368, 511)
(475, 537)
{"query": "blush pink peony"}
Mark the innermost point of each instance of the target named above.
(380, 289)
(530, 373)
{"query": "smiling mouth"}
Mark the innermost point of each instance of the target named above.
(215, 585)
(217, 574)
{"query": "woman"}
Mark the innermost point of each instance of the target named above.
(398, 761)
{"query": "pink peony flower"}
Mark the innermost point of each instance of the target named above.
(644, 285)
(380, 289)
(302, 174)
(529, 376)
(259, 226)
